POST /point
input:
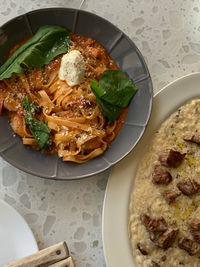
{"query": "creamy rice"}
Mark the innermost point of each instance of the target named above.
(146, 197)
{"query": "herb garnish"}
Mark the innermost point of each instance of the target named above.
(38, 129)
(48, 42)
(113, 92)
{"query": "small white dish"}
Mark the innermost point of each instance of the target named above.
(116, 243)
(16, 238)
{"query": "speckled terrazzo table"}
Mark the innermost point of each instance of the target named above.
(167, 32)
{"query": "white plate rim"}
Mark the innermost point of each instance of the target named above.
(21, 220)
(117, 248)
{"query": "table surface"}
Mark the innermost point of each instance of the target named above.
(167, 32)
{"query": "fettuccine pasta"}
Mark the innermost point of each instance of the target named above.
(78, 129)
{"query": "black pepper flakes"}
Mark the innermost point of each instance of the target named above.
(155, 264)
(163, 258)
(142, 249)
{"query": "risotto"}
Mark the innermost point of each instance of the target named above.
(164, 212)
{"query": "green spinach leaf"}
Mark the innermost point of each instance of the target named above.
(113, 92)
(38, 129)
(48, 42)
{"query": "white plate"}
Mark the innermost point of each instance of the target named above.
(117, 248)
(16, 238)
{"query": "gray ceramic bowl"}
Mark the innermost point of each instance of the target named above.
(124, 53)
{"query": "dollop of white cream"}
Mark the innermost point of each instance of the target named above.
(72, 68)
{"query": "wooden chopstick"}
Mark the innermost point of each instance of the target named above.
(44, 258)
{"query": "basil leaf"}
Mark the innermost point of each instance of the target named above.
(116, 88)
(38, 129)
(113, 92)
(48, 42)
(109, 111)
(26, 105)
(30, 107)
(34, 108)
(95, 88)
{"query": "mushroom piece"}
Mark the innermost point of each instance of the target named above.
(159, 232)
(192, 137)
(188, 187)
(171, 158)
(195, 225)
(160, 175)
(192, 247)
(154, 225)
(170, 196)
(166, 239)
(195, 229)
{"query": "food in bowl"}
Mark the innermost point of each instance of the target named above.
(164, 213)
(64, 94)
